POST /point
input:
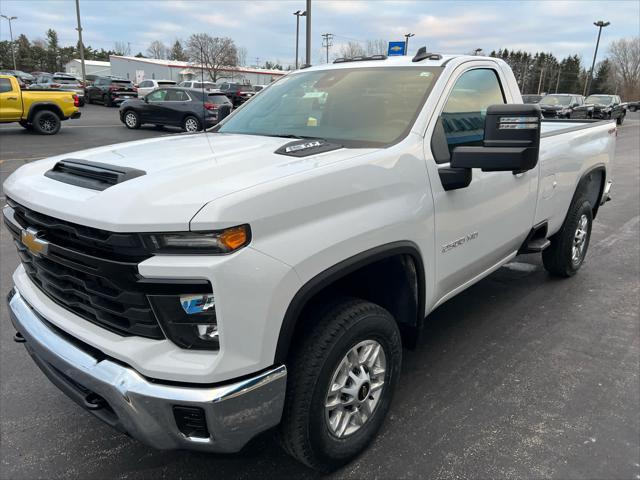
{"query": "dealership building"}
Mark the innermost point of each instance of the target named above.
(138, 69)
(92, 67)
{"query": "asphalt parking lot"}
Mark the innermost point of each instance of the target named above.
(521, 376)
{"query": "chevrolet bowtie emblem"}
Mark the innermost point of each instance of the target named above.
(37, 246)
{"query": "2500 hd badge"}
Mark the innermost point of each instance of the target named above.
(460, 241)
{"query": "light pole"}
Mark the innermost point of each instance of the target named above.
(476, 52)
(407, 36)
(298, 14)
(308, 33)
(13, 53)
(587, 83)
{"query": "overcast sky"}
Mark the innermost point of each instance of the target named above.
(267, 28)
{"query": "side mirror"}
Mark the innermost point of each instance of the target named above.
(511, 141)
(145, 99)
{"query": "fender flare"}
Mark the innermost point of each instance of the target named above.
(36, 107)
(338, 271)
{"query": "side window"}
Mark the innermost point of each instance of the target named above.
(157, 96)
(463, 115)
(5, 85)
(176, 96)
(144, 84)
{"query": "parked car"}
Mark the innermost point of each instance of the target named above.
(564, 105)
(208, 86)
(42, 111)
(110, 91)
(237, 93)
(177, 107)
(59, 81)
(147, 86)
(607, 107)
(25, 78)
(196, 290)
(633, 106)
(531, 98)
(257, 88)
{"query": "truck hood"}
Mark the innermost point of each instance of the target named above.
(183, 173)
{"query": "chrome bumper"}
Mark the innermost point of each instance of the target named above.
(131, 403)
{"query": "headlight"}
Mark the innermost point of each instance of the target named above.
(189, 321)
(208, 243)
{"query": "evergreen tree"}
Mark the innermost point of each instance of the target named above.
(176, 52)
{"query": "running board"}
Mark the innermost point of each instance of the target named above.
(536, 245)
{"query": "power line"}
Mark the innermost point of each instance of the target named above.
(326, 42)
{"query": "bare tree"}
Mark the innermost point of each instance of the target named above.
(376, 47)
(625, 57)
(213, 53)
(242, 56)
(351, 49)
(157, 50)
(122, 48)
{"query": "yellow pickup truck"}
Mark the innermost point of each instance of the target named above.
(42, 111)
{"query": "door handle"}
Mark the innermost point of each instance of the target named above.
(12, 98)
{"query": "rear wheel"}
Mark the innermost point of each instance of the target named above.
(131, 119)
(46, 122)
(568, 248)
(191, 124)
(341, 381)
(106, 100)
(620, 119)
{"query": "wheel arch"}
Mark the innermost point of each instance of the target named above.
(591, 185)
(399, 262)
(38, 107)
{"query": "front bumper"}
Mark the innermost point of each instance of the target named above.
(145, 409)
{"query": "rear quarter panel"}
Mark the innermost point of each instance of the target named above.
(565, 157)
(63, 100)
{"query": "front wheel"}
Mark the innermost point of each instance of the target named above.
(620, 120)
(191, 124)
(46, 122)
(342, 377)
(565, 255)
(131, 119)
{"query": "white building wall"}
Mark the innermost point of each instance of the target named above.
(74, 67)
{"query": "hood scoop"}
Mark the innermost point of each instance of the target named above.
(92, 175)
(307, 146)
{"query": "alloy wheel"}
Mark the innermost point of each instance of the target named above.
(580, 239)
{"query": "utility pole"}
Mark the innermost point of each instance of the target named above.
(308, 33)
(13, 52)
(80, 44)
(600, 24)
(540, 81)
(257, 62)
(558, 80)
(407, 36)
(298, 14)
(326, 42)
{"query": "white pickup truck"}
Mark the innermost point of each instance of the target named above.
(195, 290)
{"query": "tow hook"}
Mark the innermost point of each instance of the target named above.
(18, 338)
(93, 401)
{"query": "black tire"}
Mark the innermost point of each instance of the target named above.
(131, 120)
(620, 119)
(88, 98)
(106, 100)
(335, 330)
(633, 109)
(159, 127)
(26, 125)
(46, 122)
(191, 124)
(559, 258)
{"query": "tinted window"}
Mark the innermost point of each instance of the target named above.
(176, 96)
(121, 82)
(166, 83)
(145, 84)
(157, 96)
(217, 99)
(65, 80)
(5, 85)
(463, 114)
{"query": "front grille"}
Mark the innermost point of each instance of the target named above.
(83, 272)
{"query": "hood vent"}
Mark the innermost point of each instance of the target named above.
(93, 175)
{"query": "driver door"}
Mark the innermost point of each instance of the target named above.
(155, 109)
(478, 226)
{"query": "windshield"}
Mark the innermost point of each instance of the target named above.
(555, 100)
(599, 99)
(359, 107)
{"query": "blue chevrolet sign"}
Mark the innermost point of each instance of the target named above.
(395, 48)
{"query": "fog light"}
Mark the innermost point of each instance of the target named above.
(208, 332)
